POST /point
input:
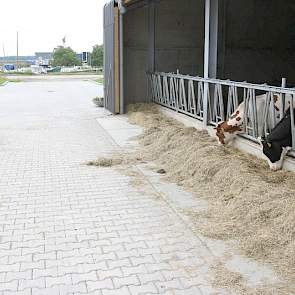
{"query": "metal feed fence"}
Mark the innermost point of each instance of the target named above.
(212, 101)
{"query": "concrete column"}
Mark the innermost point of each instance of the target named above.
(210, 48)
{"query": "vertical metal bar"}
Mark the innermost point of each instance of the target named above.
(172, 92)
(265, 114)
(182, 95)
(206, 60)
(200, 102)
(176, 84)
(210, 50)
(166, 96)
(213, 38)
(283, 99)
(255, 115)
(292, 120)
(273, 110)
(121, 34)
(160, 89)
(246, 112)
(191, 98)
(229, 102)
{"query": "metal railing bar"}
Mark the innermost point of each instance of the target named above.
(261, 87)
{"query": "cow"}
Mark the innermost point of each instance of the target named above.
(226, 131)
(276, 145)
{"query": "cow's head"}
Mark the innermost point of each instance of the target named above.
(274, 153)
(225, 132)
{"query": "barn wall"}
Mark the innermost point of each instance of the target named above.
(135, 55)
(179, 39)
(180, 36)
(257, 40)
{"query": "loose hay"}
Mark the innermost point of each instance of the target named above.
(106, 162)
(98, 101)
(227, 279)
(115, 160)
(247, 201)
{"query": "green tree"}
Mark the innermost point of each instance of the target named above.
(65, 56)
(97, 56)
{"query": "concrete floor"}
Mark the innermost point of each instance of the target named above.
(67, 228)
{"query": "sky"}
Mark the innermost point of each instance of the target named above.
(43, 23)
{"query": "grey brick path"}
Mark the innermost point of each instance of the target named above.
(66, 228)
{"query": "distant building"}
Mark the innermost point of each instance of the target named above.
(43, 58)
(84, 57)
(25, 60)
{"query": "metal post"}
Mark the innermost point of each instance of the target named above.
(283, 100)
(292, 120)
(213, 38)
(210, 50)
(207, 39)
(151, 43)
(17, 51)
(121, 36)
(122, 9)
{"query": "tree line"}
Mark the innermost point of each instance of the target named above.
(66, 56)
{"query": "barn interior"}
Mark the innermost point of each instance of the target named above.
(178, 42)
(256, 41)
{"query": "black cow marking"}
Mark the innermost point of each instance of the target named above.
(279, 138)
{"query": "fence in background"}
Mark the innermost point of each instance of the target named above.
(212, 101)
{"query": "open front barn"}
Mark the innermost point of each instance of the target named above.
(225, 68)
(203, 58)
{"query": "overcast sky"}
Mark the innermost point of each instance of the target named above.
(43, 23)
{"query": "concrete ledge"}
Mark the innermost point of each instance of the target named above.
(240, 143)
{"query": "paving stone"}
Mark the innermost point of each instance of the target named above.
(67, 228)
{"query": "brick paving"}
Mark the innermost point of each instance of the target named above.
(66, 228)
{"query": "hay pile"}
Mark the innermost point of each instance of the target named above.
(247, 201)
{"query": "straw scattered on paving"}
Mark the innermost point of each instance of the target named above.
(227, 279)
(247, 201)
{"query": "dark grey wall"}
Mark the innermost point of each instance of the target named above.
(257, 40)
(136, 55)
(179, 43)
(180, 36)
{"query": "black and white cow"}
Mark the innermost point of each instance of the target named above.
(277, 144)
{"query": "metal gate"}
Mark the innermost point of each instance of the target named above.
(212, 101)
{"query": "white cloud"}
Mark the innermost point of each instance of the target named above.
(43, 23)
